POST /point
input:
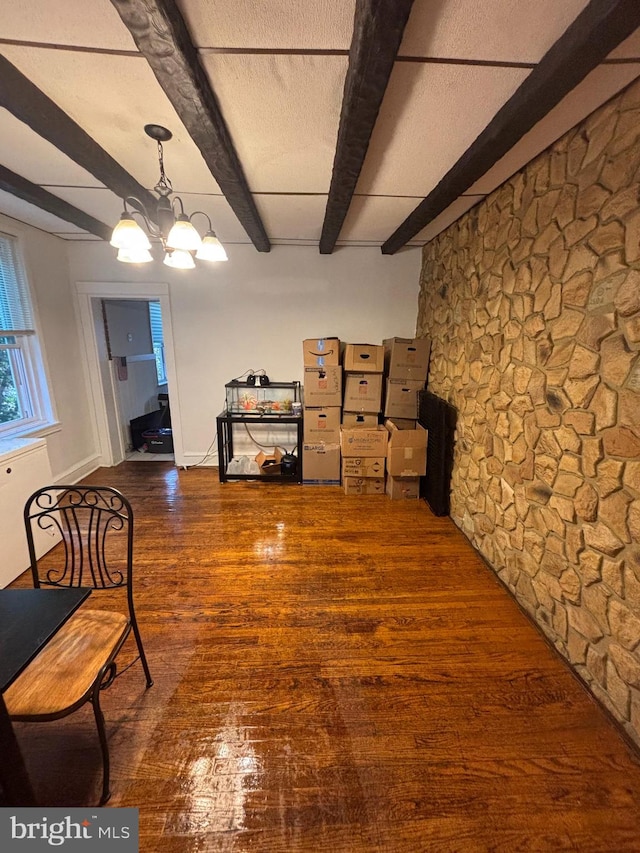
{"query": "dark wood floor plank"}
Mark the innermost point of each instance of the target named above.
(335, 674)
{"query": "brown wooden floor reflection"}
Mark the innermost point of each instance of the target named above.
(335, 673)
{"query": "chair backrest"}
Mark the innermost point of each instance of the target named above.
(95, 524)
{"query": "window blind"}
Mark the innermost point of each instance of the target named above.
(16, 316)
(155, 318)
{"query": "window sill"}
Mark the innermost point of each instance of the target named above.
(34, 430)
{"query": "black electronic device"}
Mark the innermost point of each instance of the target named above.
(288, 464)
(263, 380)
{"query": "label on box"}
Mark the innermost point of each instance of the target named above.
(363, 466)
(318, 352)
(360, 441)
(364, 485)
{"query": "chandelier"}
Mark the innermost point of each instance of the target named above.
(180, 240)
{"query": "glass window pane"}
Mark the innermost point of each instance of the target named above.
(15, 304)
(158, 351)
(24, 398)
(10, 409)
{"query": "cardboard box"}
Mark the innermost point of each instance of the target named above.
(269, 463)
(323, 386)
(322, 423)
(401, 398)
(320, 352)
(359, 419)
(406, 451)
(321, 464)
(407, 358)
(363, 392)
(403, 488)
(405, 423)
(357, 441)
(363, 466)
(364, 485)
(363, 358)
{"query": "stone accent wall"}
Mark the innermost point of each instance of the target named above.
(532, 301)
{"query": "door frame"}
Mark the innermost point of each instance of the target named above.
(86, 292)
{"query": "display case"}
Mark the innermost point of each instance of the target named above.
(244, 397)
(275, 404)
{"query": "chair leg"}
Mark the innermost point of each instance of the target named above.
(104, 746)
(143, 657)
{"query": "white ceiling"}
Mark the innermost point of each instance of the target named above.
(277, 68)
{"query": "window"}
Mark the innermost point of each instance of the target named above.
(155, 318)
(23, 397)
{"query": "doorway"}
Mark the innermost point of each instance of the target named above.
(112, 406)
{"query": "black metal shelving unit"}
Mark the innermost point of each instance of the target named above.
(257, 401)
(225, 423)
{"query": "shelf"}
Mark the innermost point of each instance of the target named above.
(225, 423)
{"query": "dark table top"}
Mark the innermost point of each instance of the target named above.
(28, 620)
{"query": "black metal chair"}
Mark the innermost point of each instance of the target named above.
(95, 526)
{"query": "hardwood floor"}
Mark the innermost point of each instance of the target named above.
(335, 674)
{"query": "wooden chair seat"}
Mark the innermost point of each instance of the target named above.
(62, 675)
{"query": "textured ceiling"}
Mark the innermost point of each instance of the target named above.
(277, 69)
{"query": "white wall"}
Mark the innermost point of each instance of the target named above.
(72, 449)
(255, 310)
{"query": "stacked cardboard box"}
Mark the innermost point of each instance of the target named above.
(322, 411)
(406, 365)
(406, 458)
(364, 453)
(363, 370)
(406, 362)
(363, 367)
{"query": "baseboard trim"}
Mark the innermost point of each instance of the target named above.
(77, 472)
(201, 460)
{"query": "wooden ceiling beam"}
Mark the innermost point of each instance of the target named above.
(34, 194)
(30, 105)
(161, 35)
(597, 30)
(377, 33)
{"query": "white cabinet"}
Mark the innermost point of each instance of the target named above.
(24, 467)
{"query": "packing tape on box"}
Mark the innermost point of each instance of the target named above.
(408, 453)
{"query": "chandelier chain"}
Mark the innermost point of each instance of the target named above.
(164, 185)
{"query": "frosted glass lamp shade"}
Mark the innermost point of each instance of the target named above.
(129, 235)
(134, 256)
(183, 235)
(178, 259)
(211, 249)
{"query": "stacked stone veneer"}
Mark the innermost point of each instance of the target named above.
(532, 301)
